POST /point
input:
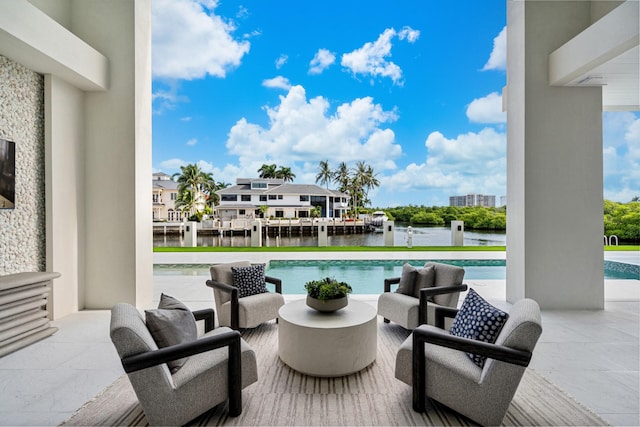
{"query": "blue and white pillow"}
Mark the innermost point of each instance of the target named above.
(249, 280)
(478, 320)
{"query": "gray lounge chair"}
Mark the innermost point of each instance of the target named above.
(436, 364)
(219, 365)
(247, 312)
(409, 311)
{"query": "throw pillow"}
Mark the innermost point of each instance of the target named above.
(407, 279)
(249, 280)
(170, 324)
(425, 278)
(478, 320)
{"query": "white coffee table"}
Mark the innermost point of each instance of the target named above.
(327, 344)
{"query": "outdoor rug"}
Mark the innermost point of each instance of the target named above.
(373, 396)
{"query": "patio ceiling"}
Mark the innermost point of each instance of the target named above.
(606, 54)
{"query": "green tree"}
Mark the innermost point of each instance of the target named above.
(285, 173)
(268, 171)
(199, 183)
(325, 175)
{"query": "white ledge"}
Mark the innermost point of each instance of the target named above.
(33, 39)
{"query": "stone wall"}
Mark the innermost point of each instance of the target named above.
(22, 230)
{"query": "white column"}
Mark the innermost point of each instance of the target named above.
(554, 165)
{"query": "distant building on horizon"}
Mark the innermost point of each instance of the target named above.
(473, 200)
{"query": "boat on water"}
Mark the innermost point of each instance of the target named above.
(377, 219)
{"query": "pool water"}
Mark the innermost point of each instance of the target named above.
(367, 276)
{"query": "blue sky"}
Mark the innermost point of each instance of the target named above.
(412, 88)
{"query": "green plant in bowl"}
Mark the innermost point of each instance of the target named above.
(327, 289)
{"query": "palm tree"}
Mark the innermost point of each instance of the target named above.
(285, 173)
(325, 176)
(200, 183)
(368, 180)
(185, 201)
(342, 177)
(268, 171)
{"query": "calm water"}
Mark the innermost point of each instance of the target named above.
(367, 276)
(421, 236)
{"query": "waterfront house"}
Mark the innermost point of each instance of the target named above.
(165, 194)
(282, 200)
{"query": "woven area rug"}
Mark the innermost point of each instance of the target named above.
(283, 397)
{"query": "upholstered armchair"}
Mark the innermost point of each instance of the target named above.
(238, 311)
(419, 292)
(441, 366)
(213, 368)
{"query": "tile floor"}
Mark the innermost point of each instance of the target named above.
(593, 355)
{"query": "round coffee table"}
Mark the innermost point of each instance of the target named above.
(327, 344)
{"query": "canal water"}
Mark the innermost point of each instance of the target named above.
(420, 236)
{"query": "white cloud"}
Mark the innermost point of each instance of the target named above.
(172, 164)
(470, 163)
(409, 33)
(498, 58)
(321, 61)
(281, 61)
(185, 119)
(487, 109)
(192, 142)
(370, 59)
(190, 41)
(303, 130)
(621, 152)
(278, 82)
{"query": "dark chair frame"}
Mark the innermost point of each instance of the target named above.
(235, 308)
(443, 338)
(424, 296)
(229, 339)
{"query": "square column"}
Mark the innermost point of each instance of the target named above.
(554, 165)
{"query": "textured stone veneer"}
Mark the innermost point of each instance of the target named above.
(22, 230)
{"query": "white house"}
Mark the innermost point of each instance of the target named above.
(283, 200)
(165, 194)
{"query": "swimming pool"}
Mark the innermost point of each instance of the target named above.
(367, 276)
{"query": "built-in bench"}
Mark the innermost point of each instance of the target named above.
(24, 318)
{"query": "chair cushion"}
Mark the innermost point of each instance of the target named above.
(425, 278)
(407, 279)
(222, 272)
(170, 324)
(447, 275)
(249, 280)
(478, 320)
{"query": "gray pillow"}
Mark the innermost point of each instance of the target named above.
(407, 279)
(170, 324)
(425, 278)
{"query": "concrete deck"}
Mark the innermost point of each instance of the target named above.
(593, 355)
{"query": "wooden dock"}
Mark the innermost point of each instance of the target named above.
(271, 228)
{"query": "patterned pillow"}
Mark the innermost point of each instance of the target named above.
(170, 324)
(249, 280)
(407, 279)
(478, 320)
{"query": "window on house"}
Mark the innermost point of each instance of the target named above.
(303, 214)
(258, 185)
(245, 197)
(263, 198)
(240, 211)
(229, 198)
(174, 196)
(304, 198)
(279, 196)
(272, 197)
(279, 214)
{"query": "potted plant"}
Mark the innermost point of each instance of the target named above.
(327, 294)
